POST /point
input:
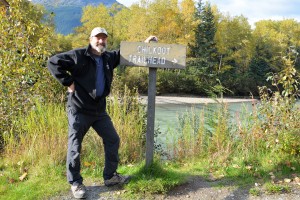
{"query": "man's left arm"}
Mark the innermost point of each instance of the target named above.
(151, 38)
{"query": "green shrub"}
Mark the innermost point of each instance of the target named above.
(44, 131)
(25, 47)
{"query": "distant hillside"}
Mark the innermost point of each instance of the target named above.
(68, 12)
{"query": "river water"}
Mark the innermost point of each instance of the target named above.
(169, 109)
(166, 115)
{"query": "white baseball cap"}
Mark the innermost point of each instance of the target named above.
(98, 30)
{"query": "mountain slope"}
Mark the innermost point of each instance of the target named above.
(53, 3)
(68, 12)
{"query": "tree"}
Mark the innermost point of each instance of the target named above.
(165, 19)
(93, 16)
(279, 36)
(189, 23)
(26, 43)
(259, 68)
(233, 40)
(203, 51)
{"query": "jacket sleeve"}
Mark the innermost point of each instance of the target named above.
(116, 58)
(61, 67)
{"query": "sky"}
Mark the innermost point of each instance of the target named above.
(254, 10)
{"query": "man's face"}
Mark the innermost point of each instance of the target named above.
(99, 42)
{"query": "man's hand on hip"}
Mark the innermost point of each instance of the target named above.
(71, 88)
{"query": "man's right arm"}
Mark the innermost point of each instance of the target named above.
(61, 66)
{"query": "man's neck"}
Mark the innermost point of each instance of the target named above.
(96, 53)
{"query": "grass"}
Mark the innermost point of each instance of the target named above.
(158, 178)
(272, 188)
(49, 181)
(254, 192)
(254, 148)
(42, 181)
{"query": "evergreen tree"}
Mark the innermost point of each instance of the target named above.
(259, 67)
(203, 51)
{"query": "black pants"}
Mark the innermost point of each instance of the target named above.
(79, 124)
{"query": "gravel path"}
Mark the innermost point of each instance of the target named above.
(197, 188)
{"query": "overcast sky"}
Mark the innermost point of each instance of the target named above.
(254, 10)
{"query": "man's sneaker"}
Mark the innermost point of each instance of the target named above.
(117, 179)
(79, 191)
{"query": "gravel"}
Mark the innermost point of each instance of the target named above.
(197, 188)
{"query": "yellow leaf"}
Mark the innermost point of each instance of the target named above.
(87, 164)
(287, 180)
(23, 176)
(236, 166)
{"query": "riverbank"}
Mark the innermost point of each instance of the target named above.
(194, 100)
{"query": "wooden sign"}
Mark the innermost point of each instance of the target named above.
(155, 55)
(152, 55)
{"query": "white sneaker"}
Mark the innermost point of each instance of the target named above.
(79, 191)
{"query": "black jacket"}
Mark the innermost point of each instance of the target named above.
(79, 66)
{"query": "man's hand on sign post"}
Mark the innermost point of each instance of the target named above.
(151, 38)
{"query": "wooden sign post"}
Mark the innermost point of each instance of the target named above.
(152, 55)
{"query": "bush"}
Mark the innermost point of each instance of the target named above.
(44, 131)
(25, 47)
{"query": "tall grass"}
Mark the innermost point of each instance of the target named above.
(247, 143)
(40, 147)
(42, 136)
(44, 131)
(129, 118)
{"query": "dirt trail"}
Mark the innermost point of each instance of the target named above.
(196, 188)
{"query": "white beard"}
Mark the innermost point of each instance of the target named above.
(100, 49)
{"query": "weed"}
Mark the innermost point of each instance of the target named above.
(155, 179)
(272, 188)
(254, 191)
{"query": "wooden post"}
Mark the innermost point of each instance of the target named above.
(150, 116)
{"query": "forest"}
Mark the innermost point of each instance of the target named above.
(222, 49)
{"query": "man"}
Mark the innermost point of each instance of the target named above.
(88, 74)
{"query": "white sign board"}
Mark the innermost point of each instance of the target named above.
(156, 55)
